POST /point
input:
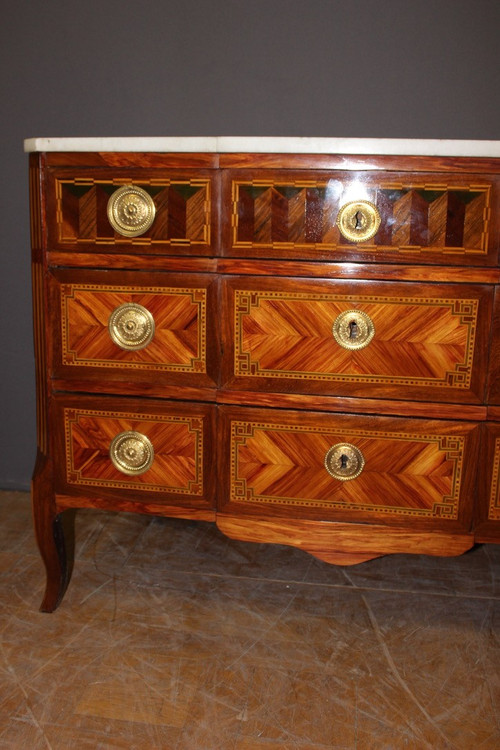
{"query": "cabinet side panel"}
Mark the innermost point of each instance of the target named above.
(38, 297)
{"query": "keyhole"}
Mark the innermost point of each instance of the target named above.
(358, 220)
(353, 329)
(343, 461)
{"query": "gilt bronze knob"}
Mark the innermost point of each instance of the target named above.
(131, 211)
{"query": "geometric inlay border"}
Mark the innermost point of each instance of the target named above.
(465, 309)
(198, 226)
(197, 297)
(329, 195)
(193, 424)
(452, 446)
(494, 502)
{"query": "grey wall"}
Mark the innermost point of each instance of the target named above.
(427, 69)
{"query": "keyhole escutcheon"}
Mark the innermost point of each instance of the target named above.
(353, 329)
(359, 220)
(344, 461)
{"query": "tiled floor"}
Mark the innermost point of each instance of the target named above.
(172, 637)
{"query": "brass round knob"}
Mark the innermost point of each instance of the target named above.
(353, 329)
(131, 326)
(344, 461)
(358, 221)
(131, 453)
(131, 211)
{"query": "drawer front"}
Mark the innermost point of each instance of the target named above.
(487, 522)
(422, 218)
(493, 511)
(334, 467)
(134, 327)
(352, 338)
(86, 212)
(494, 365)
(144, 449)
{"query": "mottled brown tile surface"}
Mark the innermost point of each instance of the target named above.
(172, 637)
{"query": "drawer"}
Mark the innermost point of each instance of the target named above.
(377, 339)
(394, 217)
(494, 367)
(133, 327)
(321, 466)
(487, 522)
(148, 450)
(168, 212)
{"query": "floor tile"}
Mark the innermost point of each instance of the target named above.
(172, 637)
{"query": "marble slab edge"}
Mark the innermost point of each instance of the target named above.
(264, 144)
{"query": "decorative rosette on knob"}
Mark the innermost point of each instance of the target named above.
(131, 453)
(131, 211)
(131, 326)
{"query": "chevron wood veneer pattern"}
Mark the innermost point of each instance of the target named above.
(414, 216)
(405, 474)
(177, 441)
(417, 341)
(255, 402)
(179, 343)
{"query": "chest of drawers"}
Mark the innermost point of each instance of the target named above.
(302, 348)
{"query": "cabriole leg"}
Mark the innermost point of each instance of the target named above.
(54, 542)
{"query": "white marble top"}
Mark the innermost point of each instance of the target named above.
(261, 144)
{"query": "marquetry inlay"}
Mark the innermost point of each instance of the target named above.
(494, 500)
(179, 342)
(182, 211)
(417, 342)
(295, 339)
(405, 473)
(177, 442)
(416, 216)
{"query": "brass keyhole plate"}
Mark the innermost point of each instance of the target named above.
(131, 211)
(131, 453)
(131, 326)
(353, 329)
(358, 221)
(344, 461)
